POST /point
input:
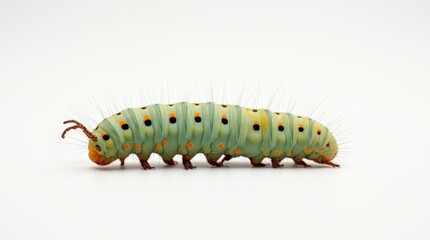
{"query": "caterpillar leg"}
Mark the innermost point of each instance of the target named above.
(299, 161)
(122, 161)
(257, 163)
(212, 161)
(276, 163)
(144, 162)
(169, 161)
(216, 162)
(330, 164)
(187, 163)
(226, 158)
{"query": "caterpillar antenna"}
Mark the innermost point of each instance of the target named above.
(78, 125)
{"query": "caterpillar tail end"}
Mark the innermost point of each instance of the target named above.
(328, 161)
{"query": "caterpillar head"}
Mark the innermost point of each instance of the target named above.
(100, 149)
(98, 152)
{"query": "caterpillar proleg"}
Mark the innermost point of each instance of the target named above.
(220, 132)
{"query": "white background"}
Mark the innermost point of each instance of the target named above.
(368, 61)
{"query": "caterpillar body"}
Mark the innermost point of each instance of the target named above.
(220, 132)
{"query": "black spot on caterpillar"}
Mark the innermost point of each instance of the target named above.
(220, 132)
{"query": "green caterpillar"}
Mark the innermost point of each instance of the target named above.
(220, 132)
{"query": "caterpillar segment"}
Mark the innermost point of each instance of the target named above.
(220, 132)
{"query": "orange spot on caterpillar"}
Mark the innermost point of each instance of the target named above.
(137, 146)
(224, 119)
(164, 142)
(277, 153)
(255, 122)
(127, 146)
(183, 149)
(190, 144)
(279, 123)
(320, 150)
(308, 149)
(197, 117)
(172, 118)
(237, 151)
(104, 136)
(124, 125)
(146, 117)
(220, 145)
(158, 147)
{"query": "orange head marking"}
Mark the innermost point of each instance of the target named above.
(95, 154)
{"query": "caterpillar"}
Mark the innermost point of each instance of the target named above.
(220, 132)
